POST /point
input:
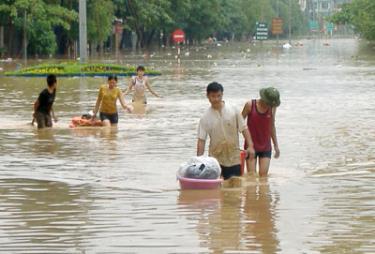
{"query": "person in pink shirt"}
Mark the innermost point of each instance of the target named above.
(260, 114)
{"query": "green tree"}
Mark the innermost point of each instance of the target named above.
(99, 22)
(145, 17)
(234, 19)
(41, 18)
(359, 13)
(206, 18)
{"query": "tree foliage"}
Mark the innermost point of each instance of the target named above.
(39, 18)
(359, 13)
(49, 21)
(99, 20)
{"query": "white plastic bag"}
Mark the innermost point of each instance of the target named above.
(200, 167)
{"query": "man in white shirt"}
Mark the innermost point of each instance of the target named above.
(222, 123)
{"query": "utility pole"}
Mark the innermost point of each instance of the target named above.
(25, 38)
(1, 37)
(82, 31)
(290, 22)
(278, 16)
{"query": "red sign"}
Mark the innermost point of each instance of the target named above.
(178, 36)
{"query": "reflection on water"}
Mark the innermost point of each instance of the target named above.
(231, 220)
(114, 190)
(260, 213)
(41, 213)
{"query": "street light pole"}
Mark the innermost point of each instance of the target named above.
(82, 31)
(290, 22)
(25, 37)
(278, 16)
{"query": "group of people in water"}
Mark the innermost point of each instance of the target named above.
(221, 122)
(106, 103)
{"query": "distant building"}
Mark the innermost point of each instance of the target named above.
(323, 7)
(318, 9)
(339, 2)
(316, 12)
(302, 4)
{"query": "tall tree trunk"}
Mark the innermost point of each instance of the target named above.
(1, 37)
(101, 49)
(148, 40)
(139, 39)
(24, 38)
(2, 49)
(94, 49)
(10, 45)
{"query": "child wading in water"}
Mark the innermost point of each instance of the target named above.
(43, 106)
(139, 84)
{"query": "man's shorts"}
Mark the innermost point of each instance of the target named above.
(228, 172)
(266, 154)
(43, 119)
(113, 118)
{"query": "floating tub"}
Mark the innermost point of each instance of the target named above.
(192, 183)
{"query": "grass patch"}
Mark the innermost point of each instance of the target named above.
(77, 69)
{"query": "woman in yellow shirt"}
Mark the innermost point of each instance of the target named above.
(106, 102)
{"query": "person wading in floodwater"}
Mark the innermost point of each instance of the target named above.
(139, 84)
(106, 102)
(43, 106)
(222, 123)
(260, 114)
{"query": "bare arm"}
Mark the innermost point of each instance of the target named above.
(273, 134)
(53, 114)
(122, 101)
(245, 110)
(246, 133)
(250, 146)
(200, 147)
(98, 101)
(36, 105)
(130, 87)
(149, 88)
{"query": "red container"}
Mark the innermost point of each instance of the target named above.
(192, 183)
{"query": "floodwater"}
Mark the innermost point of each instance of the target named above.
(114, 191)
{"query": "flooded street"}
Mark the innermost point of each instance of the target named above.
(115, 191)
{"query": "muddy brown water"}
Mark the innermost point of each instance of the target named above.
(115, 191)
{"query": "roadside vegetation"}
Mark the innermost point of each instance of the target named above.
(50, 27)
(360, 14)
(76, 69)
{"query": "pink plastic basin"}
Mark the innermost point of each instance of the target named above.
(191, 183)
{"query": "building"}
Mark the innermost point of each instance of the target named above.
(302, 4)
(316, 12)
(317, 9)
